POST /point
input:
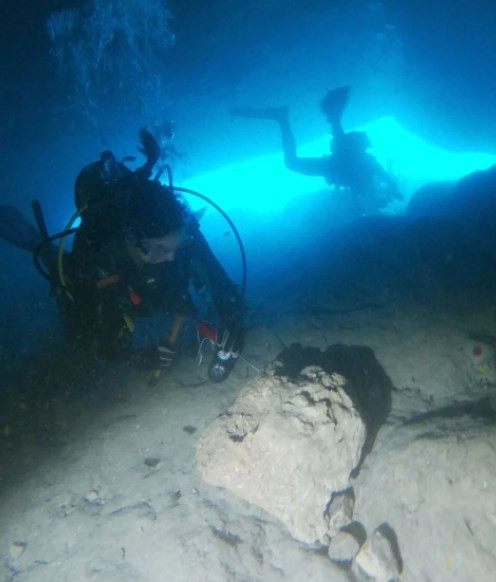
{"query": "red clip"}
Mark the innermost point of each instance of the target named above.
(134, 297)
(206, 330)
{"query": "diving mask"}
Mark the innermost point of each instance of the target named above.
(164, 248)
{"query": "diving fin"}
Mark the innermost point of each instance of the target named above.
(17, 230)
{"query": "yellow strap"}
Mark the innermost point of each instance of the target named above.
(106, 281)
(129, 322)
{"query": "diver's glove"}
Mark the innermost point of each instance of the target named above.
(159, 358)
(166, 355)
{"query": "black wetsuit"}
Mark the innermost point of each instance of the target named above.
(109, 290)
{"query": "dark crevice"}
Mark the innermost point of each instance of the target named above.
(368, 385)
(478, 409)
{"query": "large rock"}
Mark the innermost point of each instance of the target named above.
(433, 481)
(470, 201)
(433, 199)
(286, 447)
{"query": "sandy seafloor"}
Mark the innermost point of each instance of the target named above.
(98, 476)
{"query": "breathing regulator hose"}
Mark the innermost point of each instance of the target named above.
(170, 179)
(231, 224)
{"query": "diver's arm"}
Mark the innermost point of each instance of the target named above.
(337, 129)
(207, 270)
(309, 166)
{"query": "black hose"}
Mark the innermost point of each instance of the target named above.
(45, 242)
(231, 224)
(39, 218)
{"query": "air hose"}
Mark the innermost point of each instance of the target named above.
(168, 170)
(45, 242)
(231, 224)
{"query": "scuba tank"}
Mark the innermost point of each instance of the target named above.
(103, 190)
(99, 195)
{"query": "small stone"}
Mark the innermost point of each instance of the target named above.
(176, 495)
(376, 560)
(340, 510)
(17, 549)
(189, 429)
(152, 461)
(483, 359)
(93, 497)
(343, 547)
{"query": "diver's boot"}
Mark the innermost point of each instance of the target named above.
(280, 114)
(17, 230)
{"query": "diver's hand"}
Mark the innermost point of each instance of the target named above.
(166, 355)
(150, 148)
(159, 358)
(230, 339)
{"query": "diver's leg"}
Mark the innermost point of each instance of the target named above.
(288, 141)
(281, 115)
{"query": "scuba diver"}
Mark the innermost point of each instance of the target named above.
(349, 167)
(135, 254)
